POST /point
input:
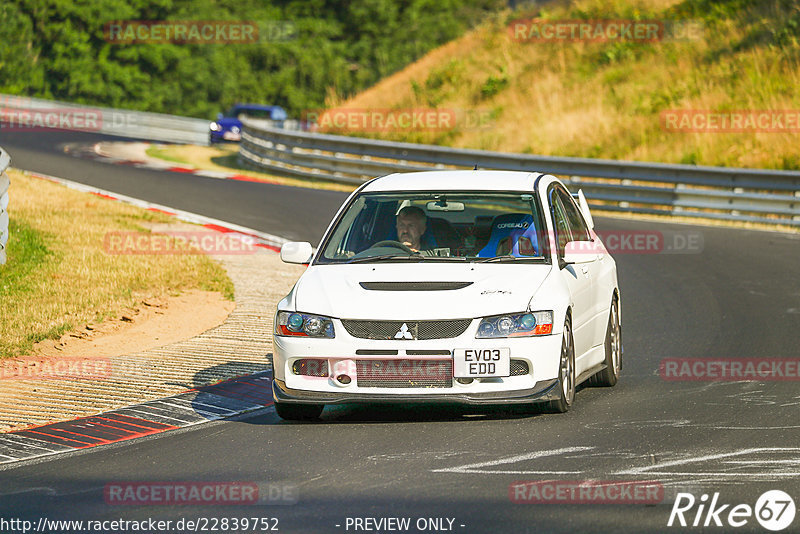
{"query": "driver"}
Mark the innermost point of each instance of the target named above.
(411, 224)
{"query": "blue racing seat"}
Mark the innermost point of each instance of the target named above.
(512, 233)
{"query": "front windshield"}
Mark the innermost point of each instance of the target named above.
(253, 113)
(441, 226)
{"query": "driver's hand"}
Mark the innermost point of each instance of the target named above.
(408, 244)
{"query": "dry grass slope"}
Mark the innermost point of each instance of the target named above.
(604, 99)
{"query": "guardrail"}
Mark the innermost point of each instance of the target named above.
(5, 182)
(753, 195)
(119, 122)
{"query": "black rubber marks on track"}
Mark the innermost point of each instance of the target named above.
(209, 403)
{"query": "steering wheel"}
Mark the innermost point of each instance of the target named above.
(393, 244)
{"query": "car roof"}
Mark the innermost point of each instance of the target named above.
(254, 106)
(475, 180)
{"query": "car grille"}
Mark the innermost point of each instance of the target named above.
(519, 367)
(416, 329)
(404, 373)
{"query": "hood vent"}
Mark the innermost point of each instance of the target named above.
(414, 286)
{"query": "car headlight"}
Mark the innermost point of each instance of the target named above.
(215, 127)
(538, 323)
(303, 324)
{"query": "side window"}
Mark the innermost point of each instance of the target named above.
(580, 232)
(560, 222)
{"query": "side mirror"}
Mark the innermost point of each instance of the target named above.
(297, 252)
(219, 116)
(580, 252)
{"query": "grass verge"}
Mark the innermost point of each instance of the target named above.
(59, 276)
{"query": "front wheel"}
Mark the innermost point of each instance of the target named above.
(299, 412)
(613, 345)
(566, 375)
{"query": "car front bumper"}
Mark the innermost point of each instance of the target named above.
(541, 354)
(544, 390)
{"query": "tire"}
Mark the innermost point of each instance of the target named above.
(608, 377)
(299, 412)
(566, 374)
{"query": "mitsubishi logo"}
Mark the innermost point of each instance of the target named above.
(404, 333)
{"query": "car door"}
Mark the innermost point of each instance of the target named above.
(594, 269)
(578, 280)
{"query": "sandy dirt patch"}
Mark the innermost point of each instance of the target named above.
(154, 323)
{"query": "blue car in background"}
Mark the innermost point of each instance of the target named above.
(228, 126)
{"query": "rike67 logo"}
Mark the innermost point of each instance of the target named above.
(774, 510)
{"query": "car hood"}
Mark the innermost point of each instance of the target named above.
(490, 289)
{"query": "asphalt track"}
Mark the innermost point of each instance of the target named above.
(738, 297)
(269, 209)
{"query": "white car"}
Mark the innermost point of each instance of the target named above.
(476, 287)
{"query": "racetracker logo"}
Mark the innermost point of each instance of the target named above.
(586, 492)
(422, 369)
(626, 30)
(200, 242)
(774, 510)
(396, 120)
(651, 241)
(197, 31)
(199, 493)
(55, 369)
(639, 242)
(730, 369)
(33, 119)
(735, 121)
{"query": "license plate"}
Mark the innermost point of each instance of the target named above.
(473, 363)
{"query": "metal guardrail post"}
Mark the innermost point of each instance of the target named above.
(5, 182)
(120, 122)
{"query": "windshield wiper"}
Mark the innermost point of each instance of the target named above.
(381, 257)
(507, 258)
(459, 258)
(416, 256)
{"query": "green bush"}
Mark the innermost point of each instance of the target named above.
(58, 49)
(494, 84)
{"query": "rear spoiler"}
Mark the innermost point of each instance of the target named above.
(581, 200)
